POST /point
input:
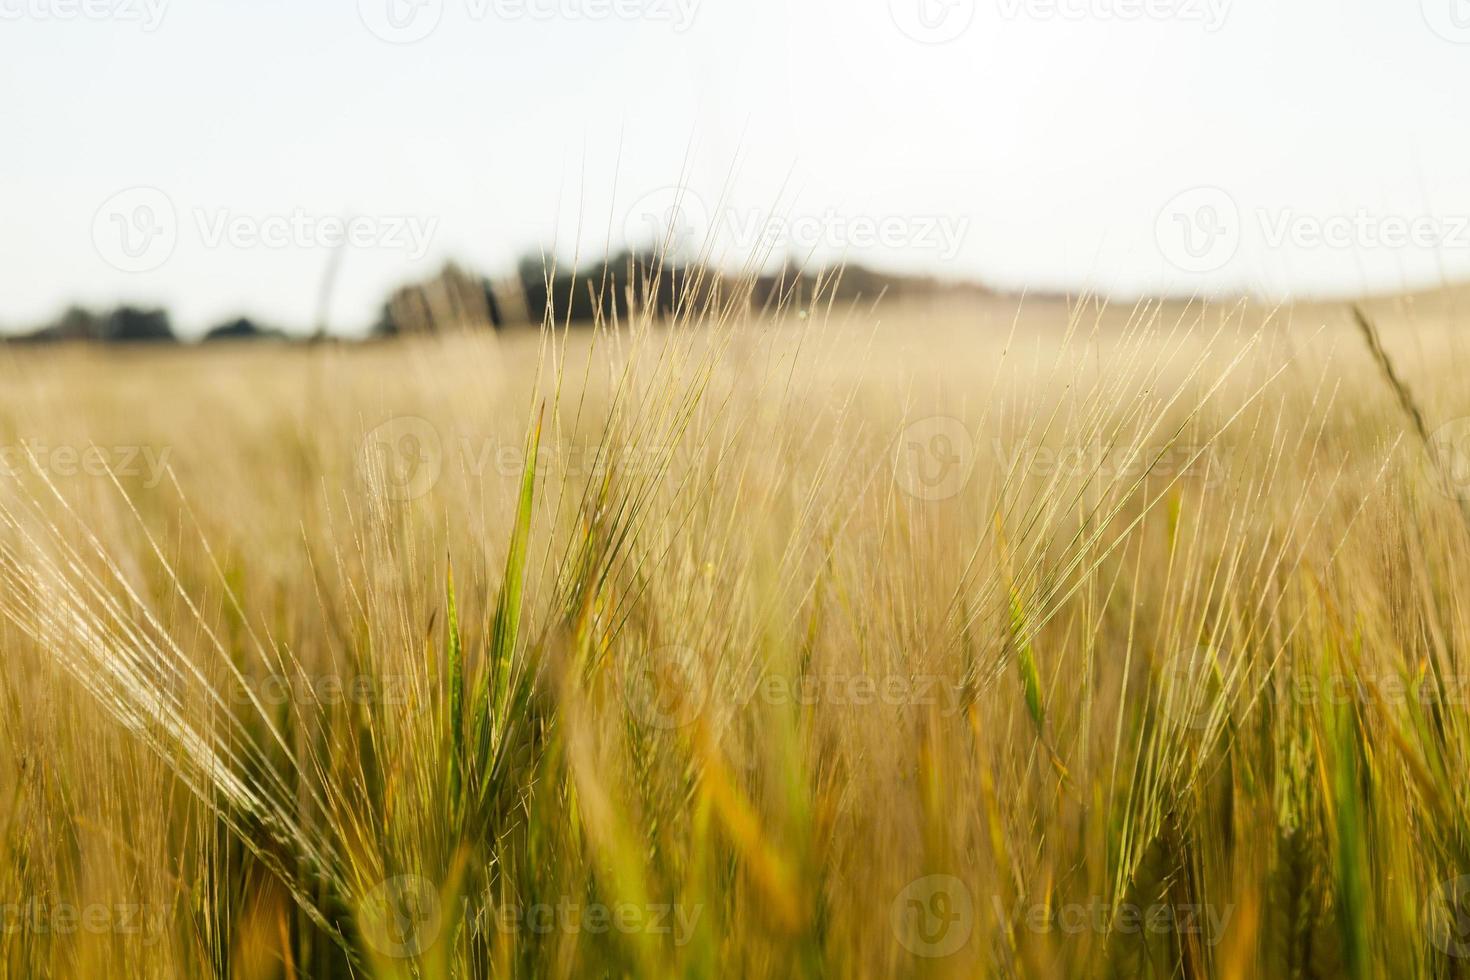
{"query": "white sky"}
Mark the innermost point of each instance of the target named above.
(1043, 145)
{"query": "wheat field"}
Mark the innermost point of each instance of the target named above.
(1017, 638)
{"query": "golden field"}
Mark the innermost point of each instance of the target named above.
(1013, 638)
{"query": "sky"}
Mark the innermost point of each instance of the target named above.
(217, 157)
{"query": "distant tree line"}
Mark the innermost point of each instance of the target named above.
(129, 324)
(456, 299)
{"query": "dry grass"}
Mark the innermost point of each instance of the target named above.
(903, 641)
